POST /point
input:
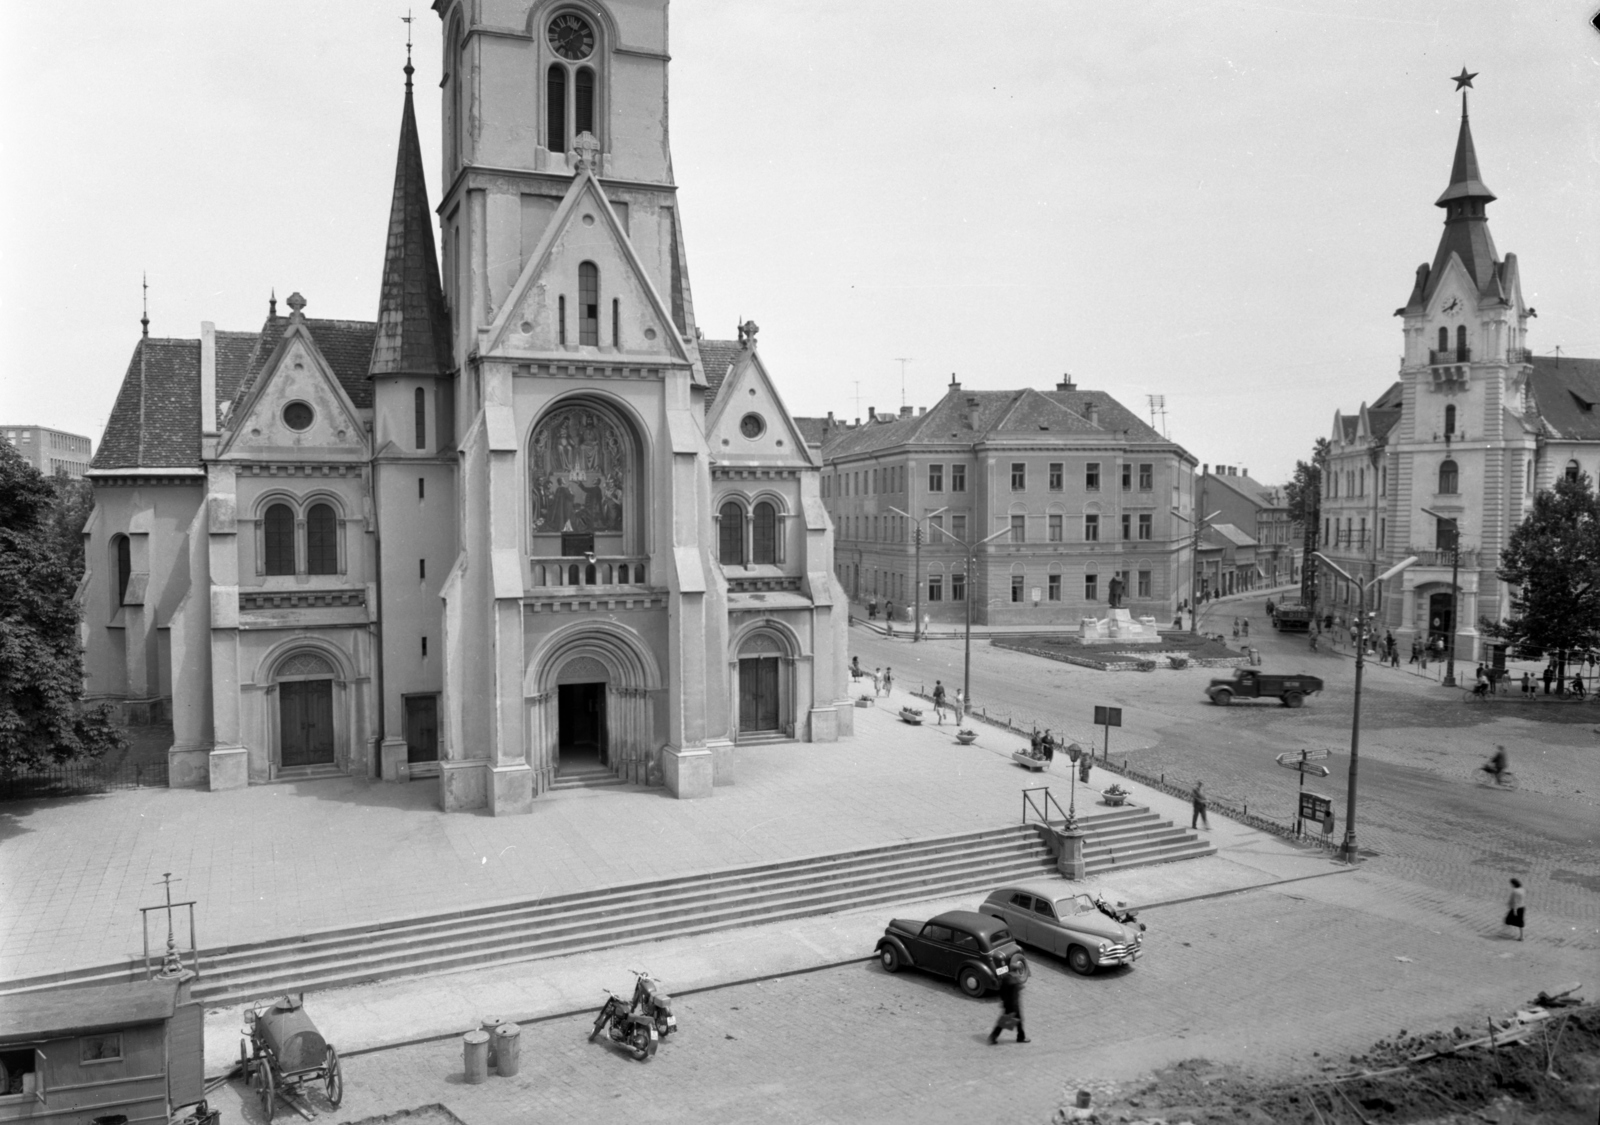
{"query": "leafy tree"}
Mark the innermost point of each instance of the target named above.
(1553, 564)
(74, 500)
(42, 719)
(1304, 492)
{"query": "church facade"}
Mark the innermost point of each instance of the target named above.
(488, 537)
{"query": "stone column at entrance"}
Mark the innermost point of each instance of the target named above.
(542, 736)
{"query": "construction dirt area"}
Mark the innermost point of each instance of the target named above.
(1540, 1066)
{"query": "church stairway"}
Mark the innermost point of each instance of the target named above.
(606, 917)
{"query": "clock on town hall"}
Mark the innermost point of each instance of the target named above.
(571, 37)
(1453, 306)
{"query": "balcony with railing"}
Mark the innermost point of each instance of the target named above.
(1441, 557)
(1440, 356)
(570, 573)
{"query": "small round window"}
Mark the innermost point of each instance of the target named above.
(297, 415)
(752, 426)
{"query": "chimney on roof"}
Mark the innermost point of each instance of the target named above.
(1066, 383)
(1244, 472)
(1204, 469)
(905, 412)
(954, 386)
(1093, 409)
(208, 377)
(921, 410)
(972, 412)
(1233, 470)
(872, 413)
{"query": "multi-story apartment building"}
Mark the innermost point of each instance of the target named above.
(1258, 510)
(1071, 489)
(50, 451)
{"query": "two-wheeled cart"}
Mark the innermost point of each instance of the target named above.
(283, 1052)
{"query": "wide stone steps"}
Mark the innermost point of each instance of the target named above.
(585, 777)
(601, 918)
(1138, 838)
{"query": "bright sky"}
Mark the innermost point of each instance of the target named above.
(1222, 203)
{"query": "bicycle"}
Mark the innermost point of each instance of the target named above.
(1486, 777)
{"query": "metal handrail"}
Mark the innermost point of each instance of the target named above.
(1043, 814)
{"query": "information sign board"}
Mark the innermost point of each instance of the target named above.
(1108, 716)
(1314, 806)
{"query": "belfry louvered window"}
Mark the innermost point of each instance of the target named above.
(278, 539)
(589, 304)
(322, 540)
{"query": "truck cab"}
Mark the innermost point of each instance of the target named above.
(1247, 683)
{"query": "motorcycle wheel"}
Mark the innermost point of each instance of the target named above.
(599, 1023)
(639, 1043)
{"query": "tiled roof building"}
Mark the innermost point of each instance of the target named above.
(1072, 488)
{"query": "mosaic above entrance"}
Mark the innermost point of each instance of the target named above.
(577, 471)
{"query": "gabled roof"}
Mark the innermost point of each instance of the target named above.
(155, 422)
(345, 344)
(1113, 415)
(1251, 489)
(413, 332)
(1228, 533)
(716, 357)
(1566, 394)
(814, 430)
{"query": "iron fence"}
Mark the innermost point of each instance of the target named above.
(78, 779)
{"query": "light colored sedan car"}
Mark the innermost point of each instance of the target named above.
(1066, 923)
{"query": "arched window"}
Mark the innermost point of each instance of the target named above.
(1572, 471)
(555, 99)
(124, 566)
(583, 101)
(1449, 420)
(731, 535)
(589, 304)
(1449, 479)
(616, 323)
(421, 407)
(322, 540)
(561, 319)
(764, 533)
(1444, 340)
(278, 539)
(572, 574)
(1461, 342)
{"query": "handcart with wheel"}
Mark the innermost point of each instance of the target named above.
(283, 1053)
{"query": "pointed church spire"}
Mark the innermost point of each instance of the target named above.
(1466, 226)
(413, 336)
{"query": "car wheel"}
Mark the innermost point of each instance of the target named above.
(890, 956)
(971, 982)
(1222, 698)
(1079, 961)
(1293, 699)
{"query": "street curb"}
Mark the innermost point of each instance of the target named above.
(568, 1014)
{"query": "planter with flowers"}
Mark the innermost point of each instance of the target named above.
(1115, 794)
(966, 737)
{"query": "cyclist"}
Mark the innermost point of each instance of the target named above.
(1497, 766)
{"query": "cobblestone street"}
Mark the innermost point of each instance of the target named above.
(1262, 979)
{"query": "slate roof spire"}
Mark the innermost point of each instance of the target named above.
(1466, 225)
(413, 336)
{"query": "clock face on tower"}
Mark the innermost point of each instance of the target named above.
(1453, 305)
(571, 37)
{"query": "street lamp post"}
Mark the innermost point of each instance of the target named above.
(916, 573)
(1194, 562)
(1347, 850)
(966, 660)
(1455, 569)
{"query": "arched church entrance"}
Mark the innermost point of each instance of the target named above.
(581, 715)
(306, 736)
(764, 691)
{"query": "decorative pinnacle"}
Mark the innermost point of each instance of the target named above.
(144, 283)
(1464, 80)
(407, 19)
(295, 303)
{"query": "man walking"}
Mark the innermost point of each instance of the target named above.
(1516, 912)
(938, 701)
(888, 681)
(1197, 800)
(877, 682)
(1011, 1000)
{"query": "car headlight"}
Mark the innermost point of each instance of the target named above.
(1105, 945)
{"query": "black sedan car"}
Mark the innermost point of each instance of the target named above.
(963, 944)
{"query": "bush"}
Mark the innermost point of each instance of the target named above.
(1146, 665)
(1178, 661)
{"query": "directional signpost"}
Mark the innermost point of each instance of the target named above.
(1301, 760)
(1108, 717)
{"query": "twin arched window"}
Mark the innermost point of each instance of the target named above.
(322, 540)
(1449, 478)
(762, 548)
(556, 118)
